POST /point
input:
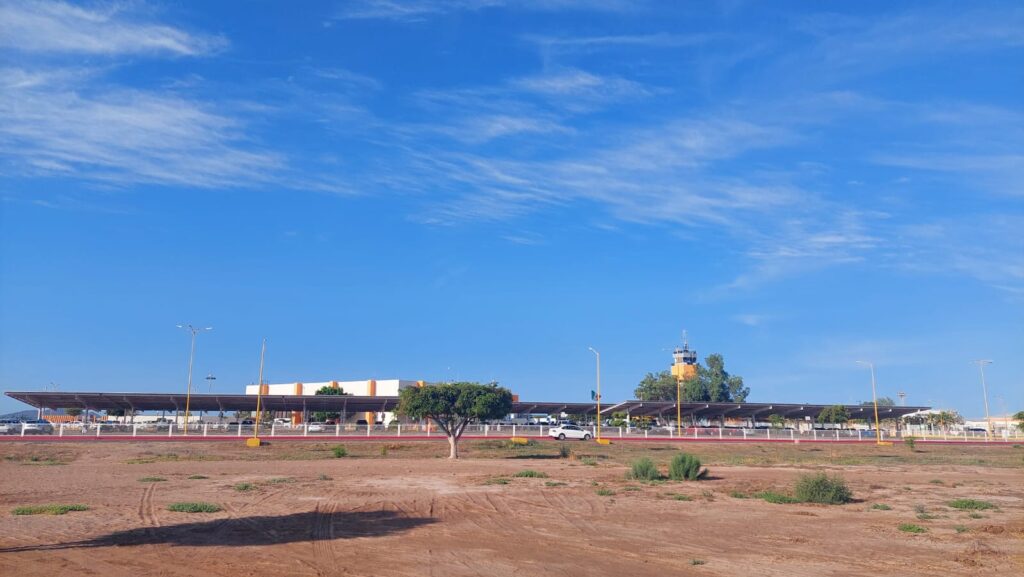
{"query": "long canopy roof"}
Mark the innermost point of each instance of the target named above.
(349, 403)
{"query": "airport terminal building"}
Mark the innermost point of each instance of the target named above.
(367, 388)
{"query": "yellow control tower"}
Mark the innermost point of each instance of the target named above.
(685, 362)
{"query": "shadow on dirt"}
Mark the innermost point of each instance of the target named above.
(250, 531)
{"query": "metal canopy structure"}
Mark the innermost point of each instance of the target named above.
(750, 410)
(347, 403)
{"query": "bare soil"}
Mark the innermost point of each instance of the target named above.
(401, 509)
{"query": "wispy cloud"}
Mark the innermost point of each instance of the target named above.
(751, 319)
(610, 41)
(414, 10)
(59, 28)
(122, 135)
(847, 44)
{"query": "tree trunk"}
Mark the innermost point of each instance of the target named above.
(454, 444)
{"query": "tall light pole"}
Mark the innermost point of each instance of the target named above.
(597, 395)
(984, 391)
(259, 398)
(191, 357)
(209, 380)
(874, 399)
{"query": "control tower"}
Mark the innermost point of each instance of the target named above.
(684, 364)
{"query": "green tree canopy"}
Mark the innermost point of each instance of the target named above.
(712, 384)
(882, 402)
(452, 406)
(835, 414)
(323, 416)
(1019, 417)
(72, 411)
(657, 387)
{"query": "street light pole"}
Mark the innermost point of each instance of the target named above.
(874, 399)
(598, 394)
(984, 391)
(191, 357)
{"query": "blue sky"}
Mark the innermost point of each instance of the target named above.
(481, 189)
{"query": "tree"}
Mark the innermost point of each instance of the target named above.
(712, 384)
(945, 419)
(1019, 417)
(657, 387)
(777, 421)
(452, 406)
(882, 402)
(73, 412)
(737, 391)
(836, 414)
(323, 416)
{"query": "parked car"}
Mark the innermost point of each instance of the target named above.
(38, 427)
(10, 428)
(569, 432)
(315, 427)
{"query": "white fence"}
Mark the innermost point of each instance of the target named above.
(149, 430)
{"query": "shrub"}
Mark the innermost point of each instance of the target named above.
(681, 497)
(279, 480)
(912, 528)
(554, 484)
(48, 509)
(936, 482)
(881, 507)
(684, 467)
(198, 477)
(564, 451)
(971, 505)
(339, 451)
(605, 492)
(193, 507)
(244, 487)
(497, 481)
(151, 479)
(821, 488)
(960, 528)
(697, 561)
(909, 442)
(777, 498)
(530, 473)
(644, 469)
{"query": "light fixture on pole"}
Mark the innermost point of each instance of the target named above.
(597, 394)
(191, 357)
(874, 399)
(209, 379)
(984, 391)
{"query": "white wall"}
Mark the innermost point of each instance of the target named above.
(385, 387)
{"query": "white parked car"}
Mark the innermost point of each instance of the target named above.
(569, 432)
(316, 427)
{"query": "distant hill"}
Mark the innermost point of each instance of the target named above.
(20, 415)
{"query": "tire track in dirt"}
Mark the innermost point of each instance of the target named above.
(147, 513)
(323, 533)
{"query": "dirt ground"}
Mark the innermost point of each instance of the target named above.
(399, 509)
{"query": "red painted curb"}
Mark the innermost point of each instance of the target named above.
(200, 438)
